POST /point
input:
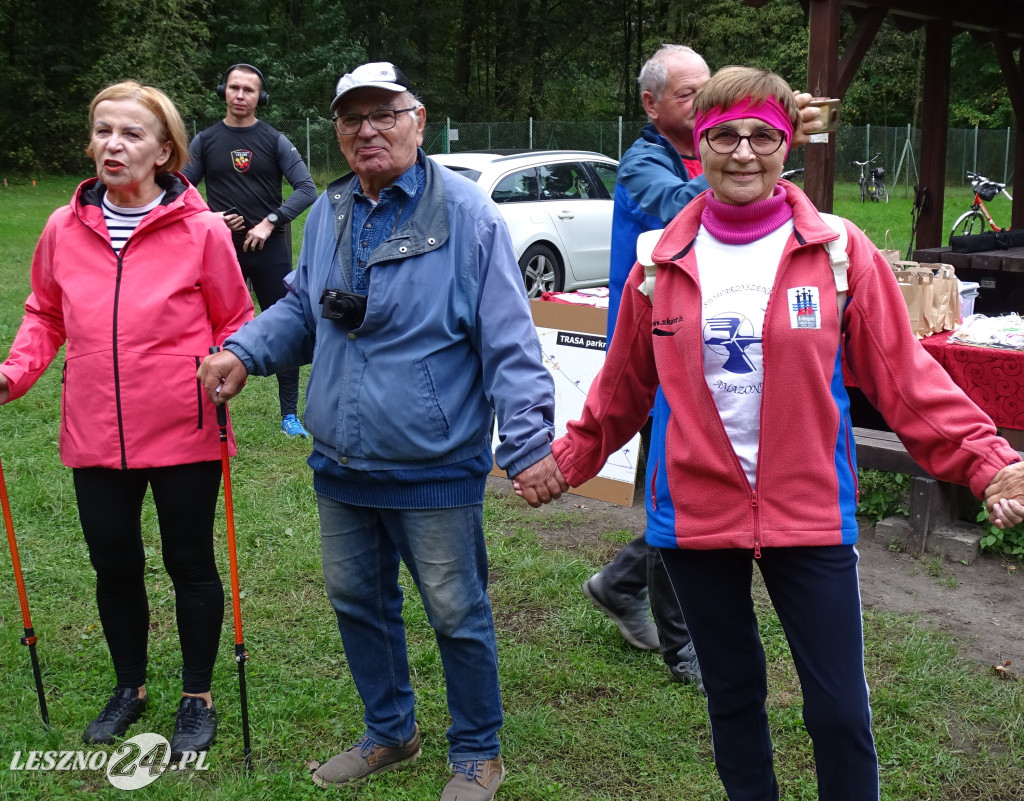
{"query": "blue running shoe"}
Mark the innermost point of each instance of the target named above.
(291, 426)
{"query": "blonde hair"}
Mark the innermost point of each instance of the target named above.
(163, 109)
(730, 85)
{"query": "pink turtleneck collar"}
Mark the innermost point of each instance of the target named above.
(741, 225)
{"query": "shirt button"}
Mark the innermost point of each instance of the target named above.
(431, 241)
(341, 216)
(351, 335)
(368, 226)
(364, 243)
(344, 460)
(403, 249)
(337, 196)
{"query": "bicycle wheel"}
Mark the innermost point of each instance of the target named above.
(881, 193)
(970, 222)
(863, 189)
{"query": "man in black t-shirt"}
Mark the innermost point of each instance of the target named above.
(243, 161)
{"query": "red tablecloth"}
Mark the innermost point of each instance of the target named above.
(992, 378)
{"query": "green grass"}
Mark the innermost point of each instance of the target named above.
(587, 717)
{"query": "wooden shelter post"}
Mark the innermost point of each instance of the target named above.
(938, 53)
(822, 81)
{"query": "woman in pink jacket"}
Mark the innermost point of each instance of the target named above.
(140, 279)
(752, 457)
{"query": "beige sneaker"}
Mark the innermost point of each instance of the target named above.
(364, 759)
(474, 780)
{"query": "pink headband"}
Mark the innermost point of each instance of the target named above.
(771, 112)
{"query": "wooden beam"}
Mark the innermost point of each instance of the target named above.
(822, 78)
(938, 53)
(1013, 74)
(867, 27)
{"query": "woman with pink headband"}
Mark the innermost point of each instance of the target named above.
(752, 453)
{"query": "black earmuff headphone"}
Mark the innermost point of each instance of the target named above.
(222, 87)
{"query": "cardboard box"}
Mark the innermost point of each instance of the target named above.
(573, 344)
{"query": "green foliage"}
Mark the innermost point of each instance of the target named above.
(470, 60)
(1008, 541)
(883, 494)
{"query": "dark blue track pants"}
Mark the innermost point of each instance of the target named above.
(816, 593)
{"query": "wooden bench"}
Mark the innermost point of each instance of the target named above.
(933, 503)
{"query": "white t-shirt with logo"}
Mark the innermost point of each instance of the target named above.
(735, 283)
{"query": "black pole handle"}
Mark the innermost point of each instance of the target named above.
(222, 409)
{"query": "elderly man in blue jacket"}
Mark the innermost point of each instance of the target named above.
(409, 303)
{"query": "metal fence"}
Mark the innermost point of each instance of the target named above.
(986, 151)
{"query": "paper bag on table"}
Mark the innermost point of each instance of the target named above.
(889, 253)
(913, 285)
(945, 298)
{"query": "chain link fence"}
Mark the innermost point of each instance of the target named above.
(989, 152)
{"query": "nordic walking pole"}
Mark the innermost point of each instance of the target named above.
(30, 635)
(241, 655)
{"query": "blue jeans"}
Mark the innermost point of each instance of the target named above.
(445, 552)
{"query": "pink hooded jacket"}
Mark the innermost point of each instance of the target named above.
(136, 325)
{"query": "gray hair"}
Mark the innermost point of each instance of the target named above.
(655, 72)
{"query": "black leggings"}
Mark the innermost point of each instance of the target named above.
(110, 509)
(266, 270)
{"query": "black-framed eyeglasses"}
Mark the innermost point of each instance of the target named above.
(725, 140)
(381, 120)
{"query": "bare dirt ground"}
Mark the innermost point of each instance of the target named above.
(981, 605)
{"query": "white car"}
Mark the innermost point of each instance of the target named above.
(558, 207)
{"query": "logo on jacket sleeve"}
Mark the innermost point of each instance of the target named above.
(241, 160)
(804, 307)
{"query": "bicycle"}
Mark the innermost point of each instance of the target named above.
(974, 220)
(872, 185)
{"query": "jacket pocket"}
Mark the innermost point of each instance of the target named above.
(431, 404)
(199, 398)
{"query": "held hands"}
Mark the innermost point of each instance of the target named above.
(5, 390)
(222, 375)
(541, 482)
(1004, 496)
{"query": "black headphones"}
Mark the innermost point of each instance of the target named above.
(222, 87)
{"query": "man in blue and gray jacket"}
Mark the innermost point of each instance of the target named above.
(409, 303)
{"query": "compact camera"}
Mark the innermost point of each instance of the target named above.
(347, 308)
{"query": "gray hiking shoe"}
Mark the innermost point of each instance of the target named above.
(364, 759)
(630, 614)
(474, 780)
(687, 670)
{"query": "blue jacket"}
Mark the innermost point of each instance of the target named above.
(652, 187)
(448, 338)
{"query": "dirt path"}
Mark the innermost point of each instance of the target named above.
(981, 605)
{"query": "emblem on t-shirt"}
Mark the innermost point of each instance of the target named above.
(804, 307)
(241, 160)
(730, 335)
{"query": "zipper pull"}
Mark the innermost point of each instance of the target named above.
(757, 539)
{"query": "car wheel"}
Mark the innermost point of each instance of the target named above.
(541, 270)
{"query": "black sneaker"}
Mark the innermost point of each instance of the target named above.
(195, 727)
(121, 711)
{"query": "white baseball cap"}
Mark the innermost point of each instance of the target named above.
(378, 74)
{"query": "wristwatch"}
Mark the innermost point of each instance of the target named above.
(273, 218)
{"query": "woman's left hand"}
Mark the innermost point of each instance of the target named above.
(5, 390)
(1004, 496)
